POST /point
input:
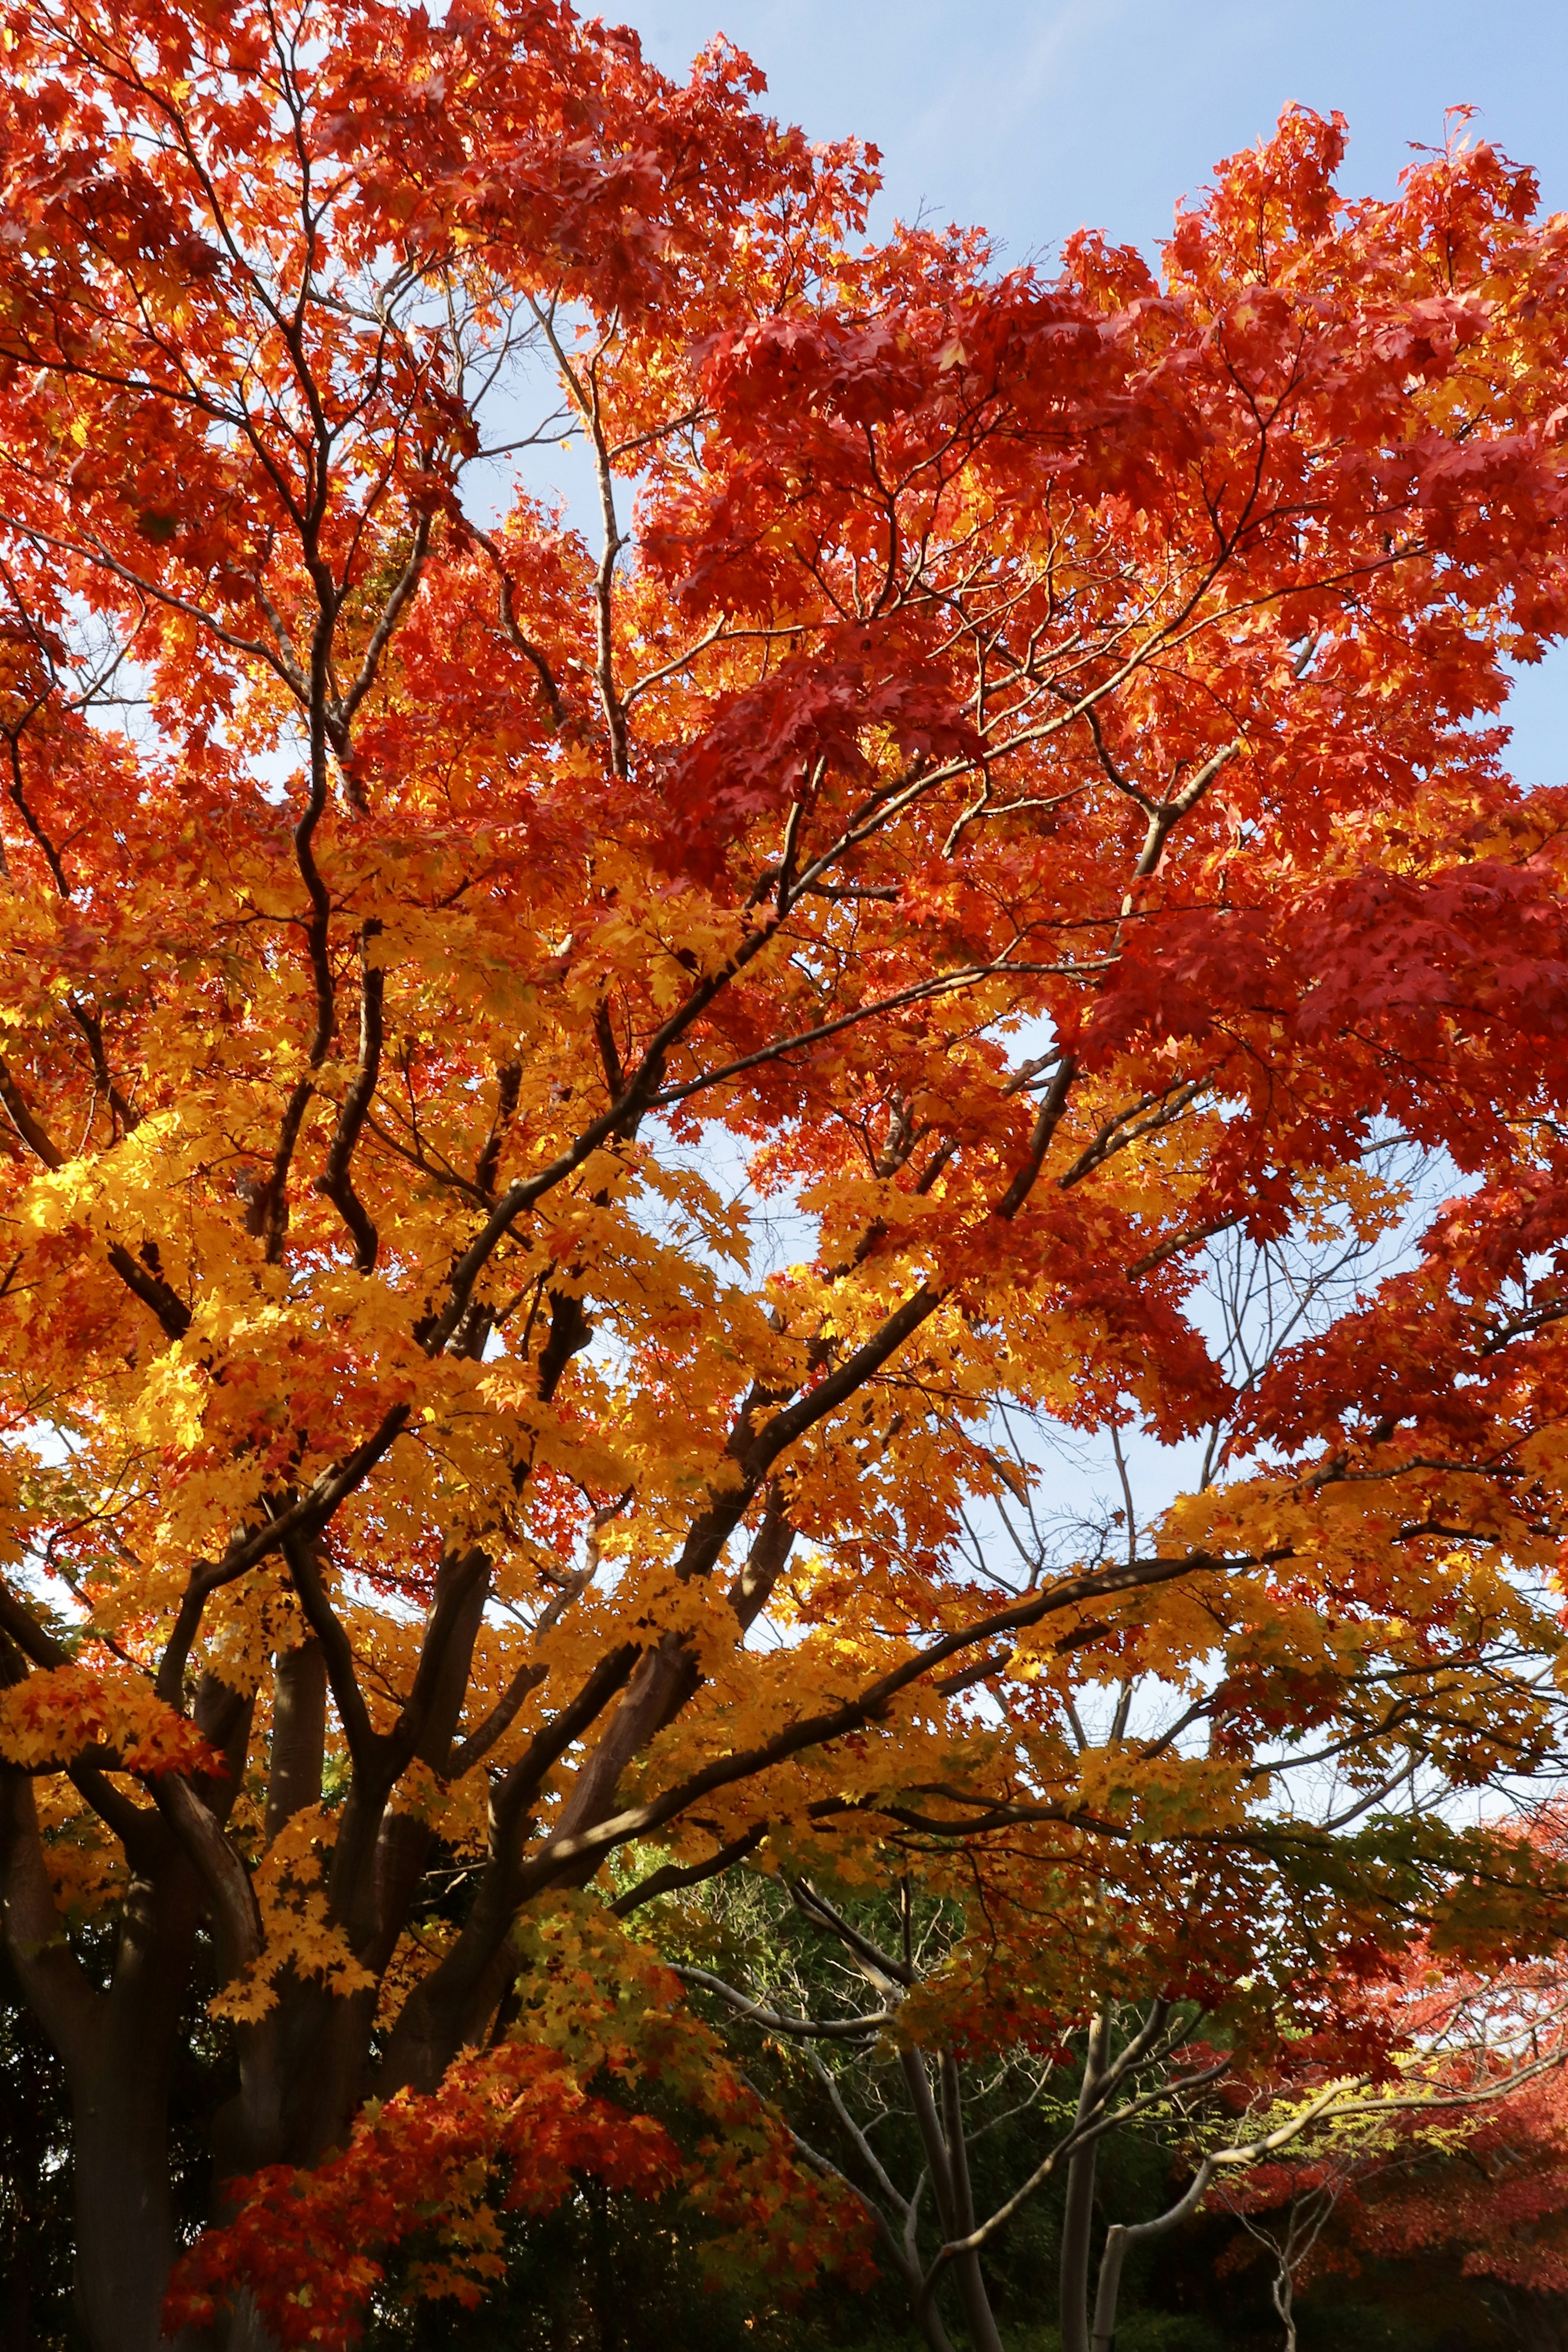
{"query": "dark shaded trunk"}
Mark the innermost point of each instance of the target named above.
(305, 2068)
(125, 2235)
(298, 1733)
(120, 2103)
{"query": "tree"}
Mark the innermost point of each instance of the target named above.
(1009, 792)
(1460, 2157)
(604, 2088)
(1274, 2103)
(900, 2031)
(898, 2111)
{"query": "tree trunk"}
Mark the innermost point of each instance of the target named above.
(125, 2233)
(979, 2317)
(1078, 2219)
(298, 1733)
(941, 2135)
(1122, 2235)
(120, 2098)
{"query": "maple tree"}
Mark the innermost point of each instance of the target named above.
(1009, 792)
(1459, 2157)
(1484, 2206)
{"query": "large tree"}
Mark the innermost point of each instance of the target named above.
(556, 1077)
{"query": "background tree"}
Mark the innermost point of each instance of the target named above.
(1461, 2159)
(1008, 795)
(864, 2025)
(900, 2118)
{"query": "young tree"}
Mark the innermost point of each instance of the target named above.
(1007, 791)
(897, 2111)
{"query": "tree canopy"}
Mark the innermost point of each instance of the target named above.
(572, 1071)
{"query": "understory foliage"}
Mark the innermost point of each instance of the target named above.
(418, 2176)
(588, 1088)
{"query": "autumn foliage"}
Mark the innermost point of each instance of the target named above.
(564, 1065)
(1453, 2154)
(514, 2128)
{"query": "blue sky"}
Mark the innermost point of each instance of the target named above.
(1040, 118)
